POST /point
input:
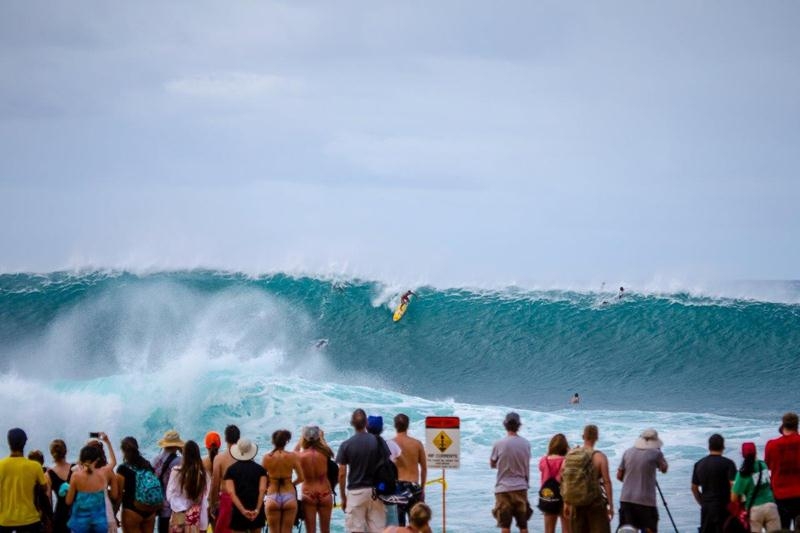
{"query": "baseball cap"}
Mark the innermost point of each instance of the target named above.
(748, 448)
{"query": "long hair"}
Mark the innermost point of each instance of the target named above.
(558, 445)
(131, 455)
(748, 465)
(192, 474)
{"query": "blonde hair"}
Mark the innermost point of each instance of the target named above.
(420, 515)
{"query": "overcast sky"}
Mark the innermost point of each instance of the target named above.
(461, 141)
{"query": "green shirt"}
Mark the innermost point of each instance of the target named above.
(746, 485)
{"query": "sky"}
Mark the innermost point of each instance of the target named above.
(456, 141)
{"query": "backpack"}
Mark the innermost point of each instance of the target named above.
(550, 500)
(384, 476)
(333, 474)
(579, 482)
(148, 496)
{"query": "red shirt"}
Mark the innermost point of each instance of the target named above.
(782, 456)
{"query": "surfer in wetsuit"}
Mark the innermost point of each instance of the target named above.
(621, 293)
(406, 295)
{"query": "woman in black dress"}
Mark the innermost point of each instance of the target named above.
(246, 482)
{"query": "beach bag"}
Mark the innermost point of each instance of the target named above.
(148, 497)
(384, 477)
(550, 500)
(737, 521)
(187, 521)
(580, 485)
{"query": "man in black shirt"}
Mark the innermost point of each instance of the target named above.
(711, 485)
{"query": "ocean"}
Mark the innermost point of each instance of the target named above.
(139, 353)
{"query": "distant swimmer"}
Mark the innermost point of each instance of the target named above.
(320, 344)
(406, 295)
(576, 399)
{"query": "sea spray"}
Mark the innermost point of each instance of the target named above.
(139, 354)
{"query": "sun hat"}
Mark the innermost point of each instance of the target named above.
(648, 440)
(171, 439)
(748, 448)
(213, 439)
(244, 450)
(311, 433)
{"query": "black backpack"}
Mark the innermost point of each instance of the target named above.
(550, 500)
(333, 474)
(384, 477)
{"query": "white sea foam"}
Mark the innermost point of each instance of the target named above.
(253, 395)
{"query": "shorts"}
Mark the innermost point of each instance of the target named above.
(638, 516)
(512, 505)
(364, 514)
(416, 496)
(591, 518)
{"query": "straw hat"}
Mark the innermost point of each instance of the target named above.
(648, 440)
(244, 450)
(171, 439)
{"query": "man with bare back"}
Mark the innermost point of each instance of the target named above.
(412, 467)
(219, 502)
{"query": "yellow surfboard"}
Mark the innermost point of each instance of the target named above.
(400, 311)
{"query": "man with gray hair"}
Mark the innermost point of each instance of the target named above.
(637, 471)
(511, 456)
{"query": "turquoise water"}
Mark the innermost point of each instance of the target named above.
(138, 354)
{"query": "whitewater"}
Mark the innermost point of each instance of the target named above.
(137, 354)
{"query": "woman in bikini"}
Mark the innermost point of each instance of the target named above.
(317, 493)
(134, 520)
(281, 499)
(87, 494)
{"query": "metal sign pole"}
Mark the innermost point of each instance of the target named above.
(444, 513)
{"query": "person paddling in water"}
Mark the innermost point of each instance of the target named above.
(405, 297)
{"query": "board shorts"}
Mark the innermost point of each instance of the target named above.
(415, 495)
(363, 512)
(510, 506)
(638, 516)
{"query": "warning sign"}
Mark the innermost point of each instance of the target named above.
(442, 441)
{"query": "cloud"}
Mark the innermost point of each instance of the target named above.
(231, 85)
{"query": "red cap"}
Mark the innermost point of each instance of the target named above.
(748, 448)
(213, 439)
